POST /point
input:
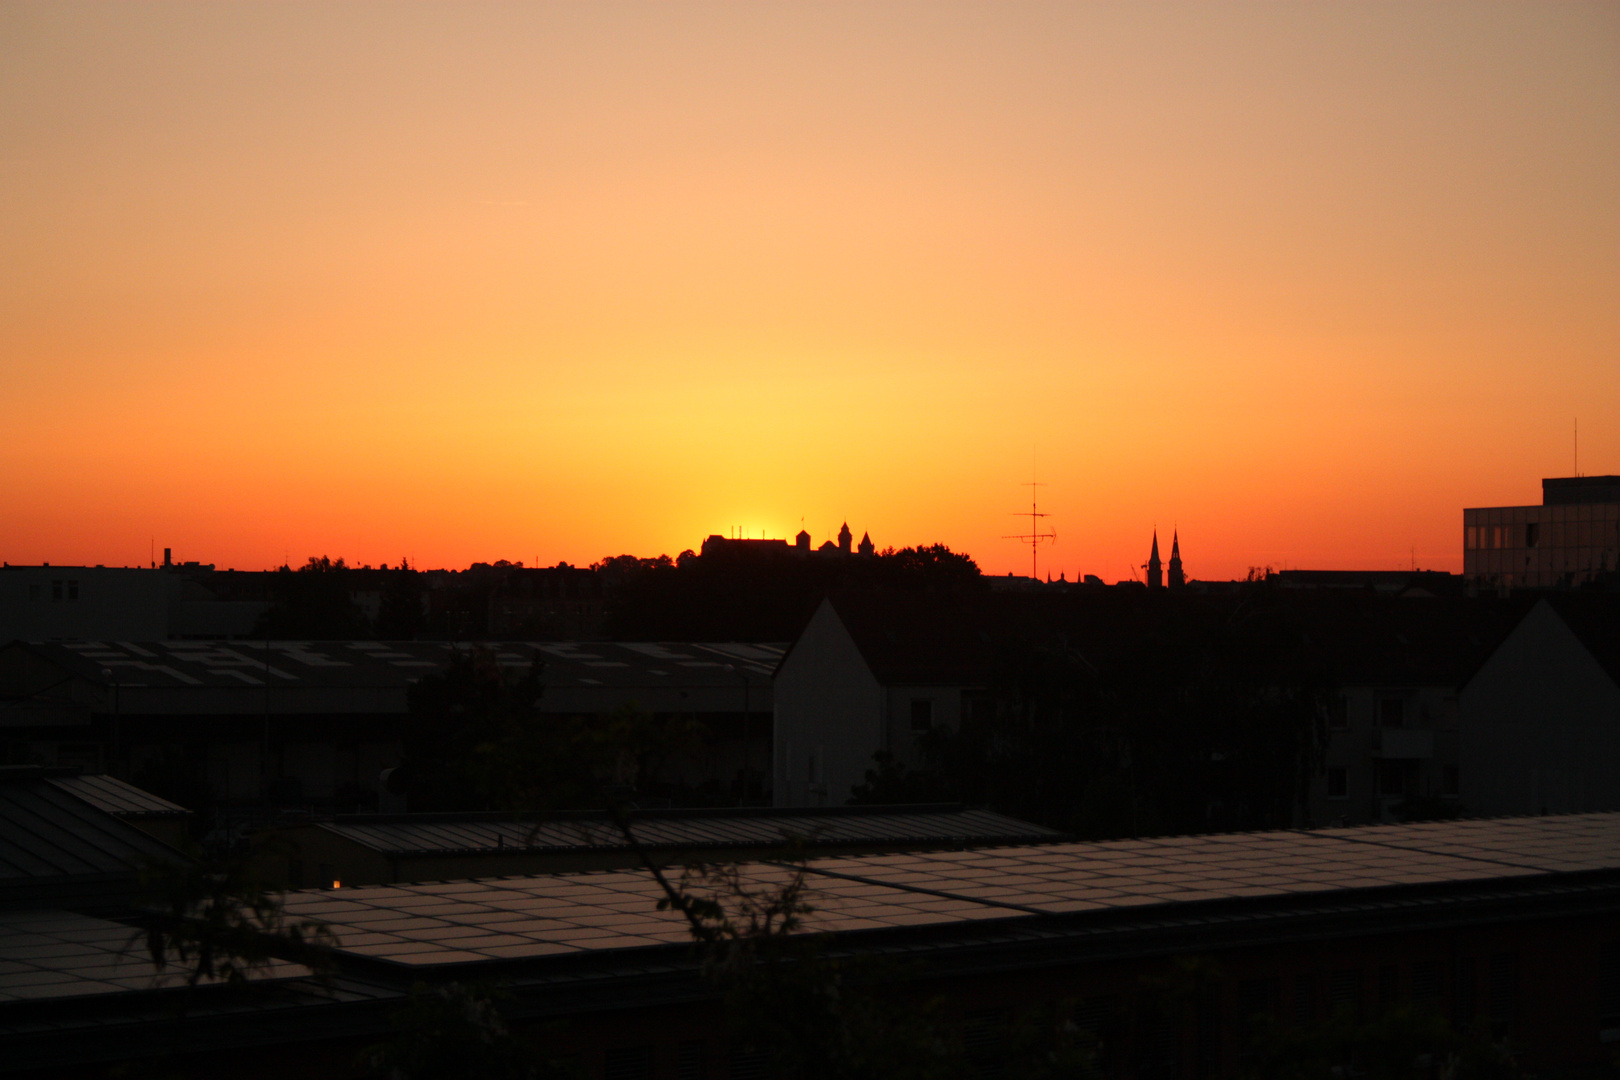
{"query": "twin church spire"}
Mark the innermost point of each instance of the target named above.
(1155, 569)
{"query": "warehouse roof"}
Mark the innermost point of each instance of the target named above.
(566, 944)
(56, 847)
(935, 825)
(116, 797)
(395, 664)
(504, 919)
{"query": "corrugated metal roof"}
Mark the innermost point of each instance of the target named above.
(117, 797)
(47, 833)
(535, 917)
(932, 826)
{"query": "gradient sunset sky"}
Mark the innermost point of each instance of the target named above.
(559, 281)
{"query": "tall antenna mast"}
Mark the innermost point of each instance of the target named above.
(1035, 537)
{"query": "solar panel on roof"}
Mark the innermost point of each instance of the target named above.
(518, 917)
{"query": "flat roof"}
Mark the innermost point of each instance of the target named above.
(533, 918)
(920, 825)
(79, 989)
(396, 664)
(60, 954)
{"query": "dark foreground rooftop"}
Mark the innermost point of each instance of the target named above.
(531, 917)
(595, 943)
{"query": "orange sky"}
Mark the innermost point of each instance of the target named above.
(468, 282)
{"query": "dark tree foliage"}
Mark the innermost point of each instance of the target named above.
(1403, 1042)
(475, 739)
(454, 716)
(791, 996)
(399, 616)
(1121, 712)
(1177, 716)
(765, 598)
(313, 603)
(456, 1032)
(211, 917)
(178, 772)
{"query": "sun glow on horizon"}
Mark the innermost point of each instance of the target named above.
(570, 281)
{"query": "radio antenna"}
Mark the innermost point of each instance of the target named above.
(1036, 534)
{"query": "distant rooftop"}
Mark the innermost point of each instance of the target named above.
(395, 664)
(945, 825)
(55, 847)
(116, 797)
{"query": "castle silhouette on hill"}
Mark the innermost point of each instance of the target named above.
(726, 546)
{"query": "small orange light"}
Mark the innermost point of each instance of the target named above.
(337, 884)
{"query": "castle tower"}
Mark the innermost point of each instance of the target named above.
(1178, 579)
(1155, 569)
(865, 546)
(844, 538)
(802, 542)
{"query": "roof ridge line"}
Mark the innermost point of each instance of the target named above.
(912, 888)
(1428, 851)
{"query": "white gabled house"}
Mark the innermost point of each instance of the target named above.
(870, 674)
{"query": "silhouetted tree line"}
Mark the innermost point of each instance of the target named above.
(688, 598)
(316, 602)
(765, 597)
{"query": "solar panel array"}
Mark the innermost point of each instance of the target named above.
(506, 918)
(691, 830)
(52, 954)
